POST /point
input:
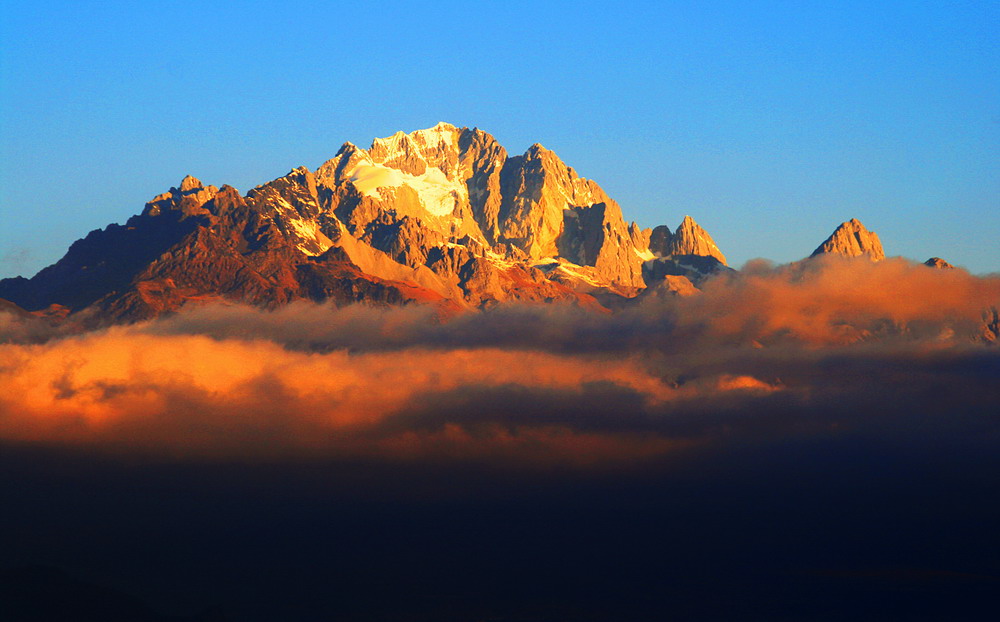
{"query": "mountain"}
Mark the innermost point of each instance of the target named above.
(441, 216)
(851, 239)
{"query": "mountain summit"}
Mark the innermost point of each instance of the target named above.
(851, 239)
(442, 215)
(689, 239)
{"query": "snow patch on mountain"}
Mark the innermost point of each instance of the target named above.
(314, 242)
(442, 133)
(438, 194)
(644, 254)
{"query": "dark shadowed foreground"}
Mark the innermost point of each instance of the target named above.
(817, 442)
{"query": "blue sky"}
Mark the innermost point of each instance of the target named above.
(768, 122)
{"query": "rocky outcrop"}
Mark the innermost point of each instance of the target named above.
(851, 239)
(690, 252)
(188, 200)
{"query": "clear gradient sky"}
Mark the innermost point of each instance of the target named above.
(768, 122)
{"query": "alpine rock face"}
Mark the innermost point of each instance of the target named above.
(442, 216)
(452, 199)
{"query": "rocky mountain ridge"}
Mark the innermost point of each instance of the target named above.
(441, 216)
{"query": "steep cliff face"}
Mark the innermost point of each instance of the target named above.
(596, 236)
(537, 188)
(852, 239)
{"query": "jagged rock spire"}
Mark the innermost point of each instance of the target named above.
(190, 182)
(689, 239)
(852, 239)
(692, 239)
(189, 199)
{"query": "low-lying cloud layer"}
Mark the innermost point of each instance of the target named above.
(824, 347)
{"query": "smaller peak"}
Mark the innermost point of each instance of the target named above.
(689, 226)
(852, 225)
(298, 170)
(852, 239)
(538, 151)
(396, 140)
(347, 152)
(691, 239)
(189, 183)
(937, 262)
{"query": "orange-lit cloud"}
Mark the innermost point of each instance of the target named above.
(832, 300)
(193, 393)
(753, 352)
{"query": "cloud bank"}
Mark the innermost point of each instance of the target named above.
(799, 349)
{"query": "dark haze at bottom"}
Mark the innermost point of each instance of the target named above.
(779, 447)
(860, 527)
